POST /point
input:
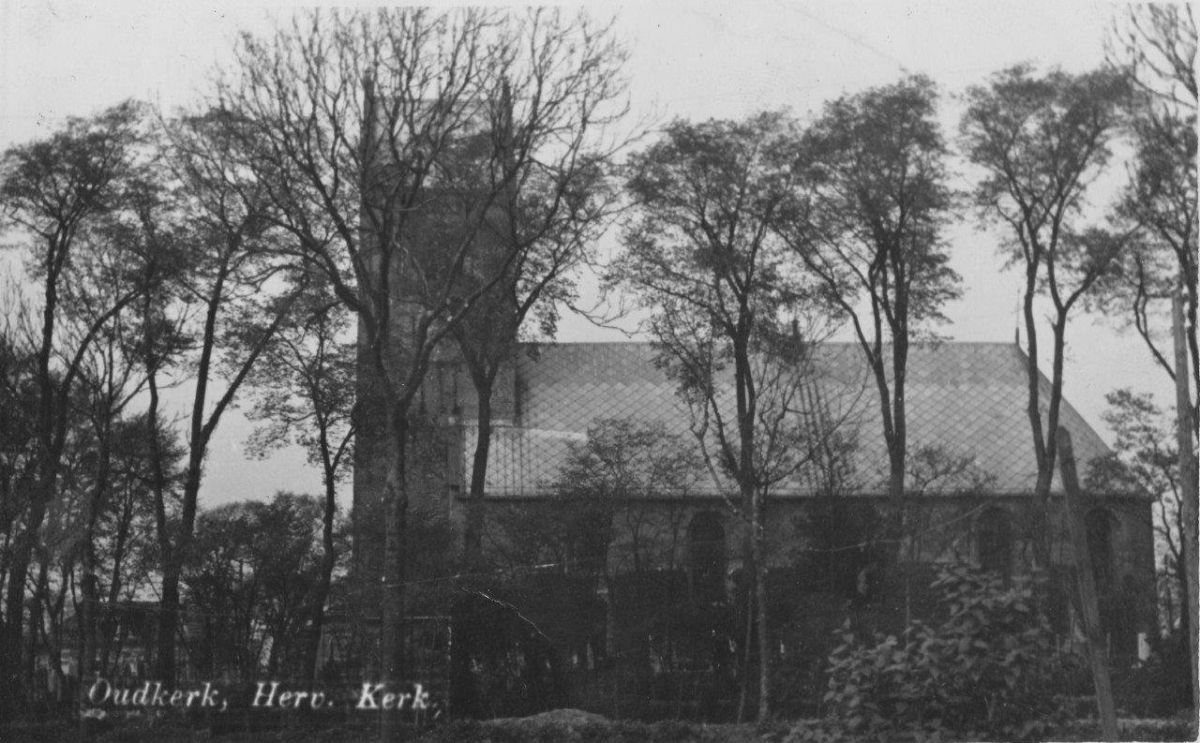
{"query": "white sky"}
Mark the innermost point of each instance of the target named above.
(694, 60)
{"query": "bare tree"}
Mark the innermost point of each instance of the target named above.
(109, 380)
(236, 295)
(1155, 45)
(304, 391)
(551, 220)
(355, 122)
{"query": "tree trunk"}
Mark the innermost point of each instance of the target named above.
(41, 604)
(1185, 429)
(164, 651)
(50, 436)
(898, 443)
(1085, 585)
(756, 611)
(1045, 467)
(1046, 444)
(10, 648)
(744, 691)
(13, 691)
(91, 589)
(328, 562)
(168, 621)
(168, 624)
(895, 449)
(89, 606)
(87, 620)
(392, 624)
(473, 536)
(108, 623)
(760, 601)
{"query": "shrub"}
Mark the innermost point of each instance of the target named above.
(987, 670)
(1160, 686)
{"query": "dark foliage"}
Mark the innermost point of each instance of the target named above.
(988, 671)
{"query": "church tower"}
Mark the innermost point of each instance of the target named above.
(451, 243)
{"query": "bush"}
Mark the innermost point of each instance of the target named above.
(988, 670)
(1159, 687)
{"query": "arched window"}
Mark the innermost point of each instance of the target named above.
(1099, 524)
(706, 547)
(994, 541)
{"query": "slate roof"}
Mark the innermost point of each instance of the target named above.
(969, 399)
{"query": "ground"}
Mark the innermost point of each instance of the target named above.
(558, 726)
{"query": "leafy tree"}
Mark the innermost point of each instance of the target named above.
(127, 551)
(1039, 142)
(255, 567)
(111, 380)
(732, 321)
(871, 202)
(18, 398)
(53, 193)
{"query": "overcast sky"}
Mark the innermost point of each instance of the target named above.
(694, 60)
